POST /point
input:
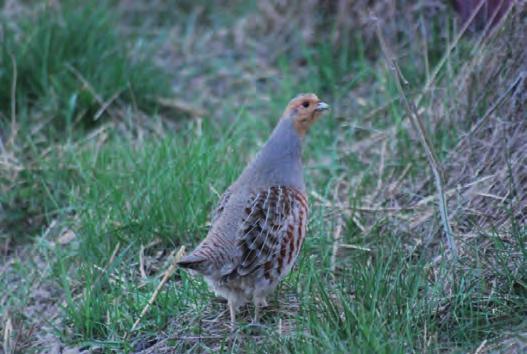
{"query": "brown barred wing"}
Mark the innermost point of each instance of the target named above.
(272, 232)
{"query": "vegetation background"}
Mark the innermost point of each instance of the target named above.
(122, 121)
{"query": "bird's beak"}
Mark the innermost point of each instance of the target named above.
(322, 106)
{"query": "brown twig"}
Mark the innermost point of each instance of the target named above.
(87, 85)
(417, 122)
(337, 236)
(142, 262)
(106, 104)
(343, 214)
(167, 275)
(482, 345)
(182, 106)
(373, 209)
(355, 247)
(8, 343)
(108, 264)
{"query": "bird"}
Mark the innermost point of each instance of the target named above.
(259, 223)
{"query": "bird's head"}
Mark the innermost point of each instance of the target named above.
(304, 110)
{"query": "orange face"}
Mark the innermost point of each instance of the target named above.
(305, 109)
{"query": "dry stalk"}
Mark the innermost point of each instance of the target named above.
(394, 187)
(8, 344)
(431, 79)
(182, 106)
(107, 266)
(14, 128)
(106, 104)
(491, 28)
(522, 76)
(381, 169)
(86, 83)
(480, 347)
(355, 247)
(344, 213)
(167, 275)
(337, 237)
(142, 262)
(425, 141)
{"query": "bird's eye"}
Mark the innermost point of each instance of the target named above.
(305, 104)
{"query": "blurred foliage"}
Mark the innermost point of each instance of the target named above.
(69, 60)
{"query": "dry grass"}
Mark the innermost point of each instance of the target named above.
(485, 170)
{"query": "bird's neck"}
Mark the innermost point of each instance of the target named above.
(284, 144)
(280, 160)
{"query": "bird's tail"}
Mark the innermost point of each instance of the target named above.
(193, 262)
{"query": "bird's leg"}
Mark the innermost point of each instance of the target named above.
(260, 302)
(232, 311)
(256, 313)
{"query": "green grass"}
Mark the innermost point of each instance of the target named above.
(68, 61)
(132, 200)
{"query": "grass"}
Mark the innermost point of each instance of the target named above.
(69, 61)
(91, 214)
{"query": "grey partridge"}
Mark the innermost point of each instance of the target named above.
(259, 225)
